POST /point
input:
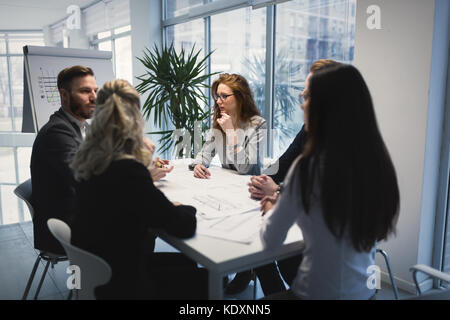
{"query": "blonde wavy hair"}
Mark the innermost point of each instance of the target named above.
(116, 132)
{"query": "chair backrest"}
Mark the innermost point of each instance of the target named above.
(23, 191)
(94, 271)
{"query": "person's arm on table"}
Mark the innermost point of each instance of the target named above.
(160, 213)
(288, 157)
(204, 157)
(260, 186)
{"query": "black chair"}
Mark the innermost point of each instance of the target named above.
(23, 191)
(391, 276)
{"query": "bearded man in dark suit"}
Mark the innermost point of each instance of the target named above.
(53, 193)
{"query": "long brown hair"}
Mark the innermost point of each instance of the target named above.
(246, 106)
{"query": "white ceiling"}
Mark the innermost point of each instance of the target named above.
(34, 14)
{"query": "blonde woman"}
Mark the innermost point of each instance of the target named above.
(118, 203)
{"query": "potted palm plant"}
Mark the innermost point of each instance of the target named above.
(176, 83)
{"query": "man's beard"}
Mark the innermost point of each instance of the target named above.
(77, 109)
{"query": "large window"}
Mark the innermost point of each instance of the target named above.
(238, 39)
(305, 31)
(15, 147)
(118, 41)
(272, 45)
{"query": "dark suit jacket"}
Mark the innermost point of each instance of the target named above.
(116, 209)
(52, 180)
(285, 161)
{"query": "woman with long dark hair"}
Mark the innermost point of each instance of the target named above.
(342, 191)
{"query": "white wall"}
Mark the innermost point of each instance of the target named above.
(396, 63)
(146, 31)
(32, 14)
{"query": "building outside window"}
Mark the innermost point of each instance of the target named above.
(304, 31)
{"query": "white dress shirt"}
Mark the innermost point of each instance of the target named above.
(331, 268)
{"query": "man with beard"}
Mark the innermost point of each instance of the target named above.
(55, 145)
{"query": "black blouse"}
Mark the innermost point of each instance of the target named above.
(115, 211)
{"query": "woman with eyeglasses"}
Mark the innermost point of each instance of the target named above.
(238, 132)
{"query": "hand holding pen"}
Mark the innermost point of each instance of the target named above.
(201, 172)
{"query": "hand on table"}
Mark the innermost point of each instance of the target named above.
(159, 169)
(201, 172)
(260, 186)
(268, 202)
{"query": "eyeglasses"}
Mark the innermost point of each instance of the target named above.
(223, 97)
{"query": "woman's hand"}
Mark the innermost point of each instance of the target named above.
(158, 169)
(201, 172)
(268, 202)
(260, 186)
(225, 122)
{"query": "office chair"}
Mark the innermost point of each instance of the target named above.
(23, 191)
(94, 270)
(391, 276)
(441, 294)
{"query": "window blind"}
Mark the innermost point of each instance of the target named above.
(102, 16)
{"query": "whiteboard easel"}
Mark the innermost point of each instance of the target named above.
(41, 67)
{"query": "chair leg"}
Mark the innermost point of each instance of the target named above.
(42, 280)
(388, 265)
(69, 297)
(31, 278)
(254, 284)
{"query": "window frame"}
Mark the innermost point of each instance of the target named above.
(94, 42)
(210, 8)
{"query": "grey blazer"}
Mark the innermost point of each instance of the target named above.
(245, 157)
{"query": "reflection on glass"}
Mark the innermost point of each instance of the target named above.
(104, 46)
(306, 30)
(122, 29)
(123, 58)
(5, 107)
(175, 8)
(185, 35)
(2, 44)
(15, 45)
(23, 159)
(102, 35)
(238, 38)
(10, 205)
(7, 169)
(17, 90)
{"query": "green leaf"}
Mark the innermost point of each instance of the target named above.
(175, 83)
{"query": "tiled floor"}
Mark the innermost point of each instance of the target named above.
(17, 257)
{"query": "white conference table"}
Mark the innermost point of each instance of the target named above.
(220, 256)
